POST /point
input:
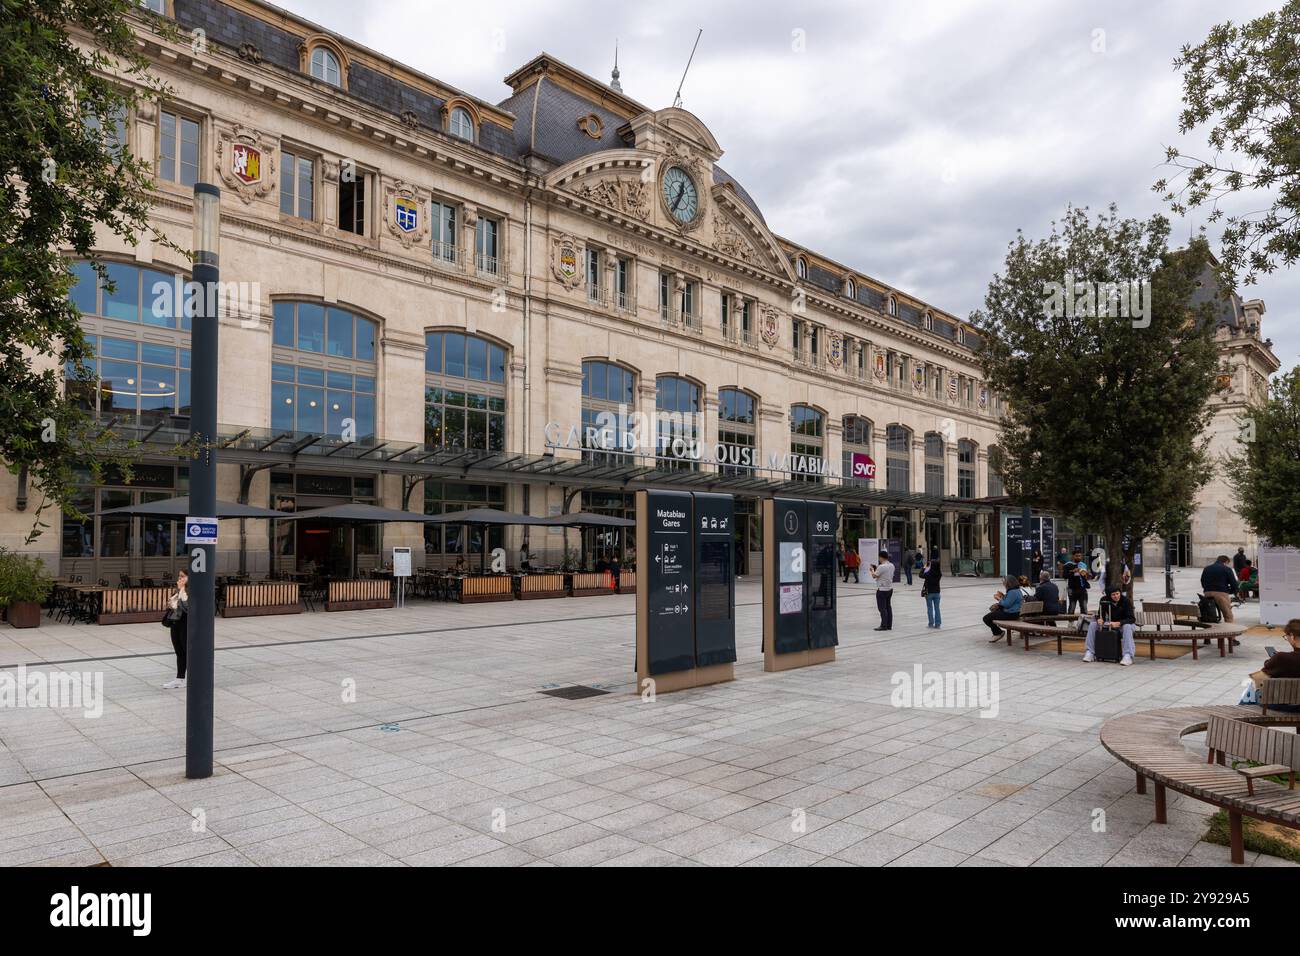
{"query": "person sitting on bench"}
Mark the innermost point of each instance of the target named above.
(1114, 610)
(1282, 664)
(1007, 608)
(1049, 594)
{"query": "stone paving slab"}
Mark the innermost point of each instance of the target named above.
(419, 736)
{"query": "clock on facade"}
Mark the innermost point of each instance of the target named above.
(680, 195)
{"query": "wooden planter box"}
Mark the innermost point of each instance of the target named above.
(627, 582)
(359, 595)
(479, 588)
(23, 614)
(591, 583)
(541, 586)
(134, 605)
(270, 597)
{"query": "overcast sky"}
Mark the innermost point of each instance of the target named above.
(908, 140)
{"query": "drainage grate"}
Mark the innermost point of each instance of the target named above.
(576, 692)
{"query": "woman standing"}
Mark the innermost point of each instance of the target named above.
(1036, 565)
(177, 620)
(930, 591)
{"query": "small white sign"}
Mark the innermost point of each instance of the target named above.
(200, 530)
(401, 562)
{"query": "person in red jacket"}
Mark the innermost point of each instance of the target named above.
(852, 562)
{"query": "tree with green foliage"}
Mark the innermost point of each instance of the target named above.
(1265, 473)
(1244, 82)
(67, 176)
(1091, 336)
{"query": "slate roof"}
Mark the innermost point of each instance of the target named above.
(1228, 310)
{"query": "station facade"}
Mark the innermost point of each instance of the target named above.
(437, 302)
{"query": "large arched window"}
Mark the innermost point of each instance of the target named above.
(138, 334)
(898, 458)
(996, 489)
(677, 426)
(608, 399)
(325, 66)
(737, 431)
(323, 371)
(934, 464)
(857, 442)
(965, 468)
(807, 442)
(464, 392)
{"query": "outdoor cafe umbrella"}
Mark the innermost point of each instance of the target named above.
(179, 509)
(357, 513)
(484, 517)
(587, 519)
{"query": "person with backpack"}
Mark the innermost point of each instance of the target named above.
(852, 564)
(1076, 584)
(1114, 612)
(1219, 584)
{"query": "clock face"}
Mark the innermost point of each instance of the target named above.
(680, 195)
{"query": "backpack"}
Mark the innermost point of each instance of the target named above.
(1208, 610)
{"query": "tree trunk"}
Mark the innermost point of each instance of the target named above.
(1114, 557)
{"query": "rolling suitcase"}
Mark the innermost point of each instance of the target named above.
(1106, 645)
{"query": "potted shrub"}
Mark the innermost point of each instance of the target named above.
(24, 584)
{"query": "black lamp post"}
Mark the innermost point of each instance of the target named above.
(203, 481)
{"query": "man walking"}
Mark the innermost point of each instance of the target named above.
(1219, 584)
(1238, 561)
(1076, 583)
(883, 573)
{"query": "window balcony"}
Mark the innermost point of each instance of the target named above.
(597, 295)
(624, 302)
(448, 254)
(487, 265)
(693, 323)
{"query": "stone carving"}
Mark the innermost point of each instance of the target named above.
(728, 241)
(769, 325)
(565, 261)
(246, 162)
(835, 350)
(405, 214)
(249, 52)
(410, 119)
(631, 196)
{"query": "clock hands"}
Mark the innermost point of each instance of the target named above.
(681, 191)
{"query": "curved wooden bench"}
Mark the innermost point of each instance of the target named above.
(1150, 742)
(1039, 627)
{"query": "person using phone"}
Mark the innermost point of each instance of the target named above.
(1282, 664)
(883, 575)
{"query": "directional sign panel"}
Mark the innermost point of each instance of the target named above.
(715, 582)
(669, 550)
(822, 628)
(790, 526)
(200, 530)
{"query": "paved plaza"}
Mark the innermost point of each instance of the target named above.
(421, 736)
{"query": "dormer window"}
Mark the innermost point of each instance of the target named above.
(325, 67)
(801, 267)
(850, 288)
(892, 306)
(928, 321)
(460, 124)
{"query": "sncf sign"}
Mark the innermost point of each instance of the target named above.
(863, 466)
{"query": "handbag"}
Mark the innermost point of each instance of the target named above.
(168, 618)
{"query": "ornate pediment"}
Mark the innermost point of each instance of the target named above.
(629, 195)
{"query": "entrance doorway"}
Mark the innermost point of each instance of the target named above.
(1180, 550)
(325, 547)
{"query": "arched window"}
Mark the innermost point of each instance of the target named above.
(801, 267)
(737, 431)
(678, 426)
(850, 288)
(608, 399)
(934, 464)
(323, 371)
(325, 67)
(996, 489)
(857, 445)
(460, 124)
(898, 458)
(464, 392)
(807, 441)
(892, 306)
(140, 371)
(965, 468)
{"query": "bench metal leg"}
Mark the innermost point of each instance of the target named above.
(1153, 648)
(1142, 784)
(1236, 841)
(1196, 655)
(1162, 815)
(1221, 651)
